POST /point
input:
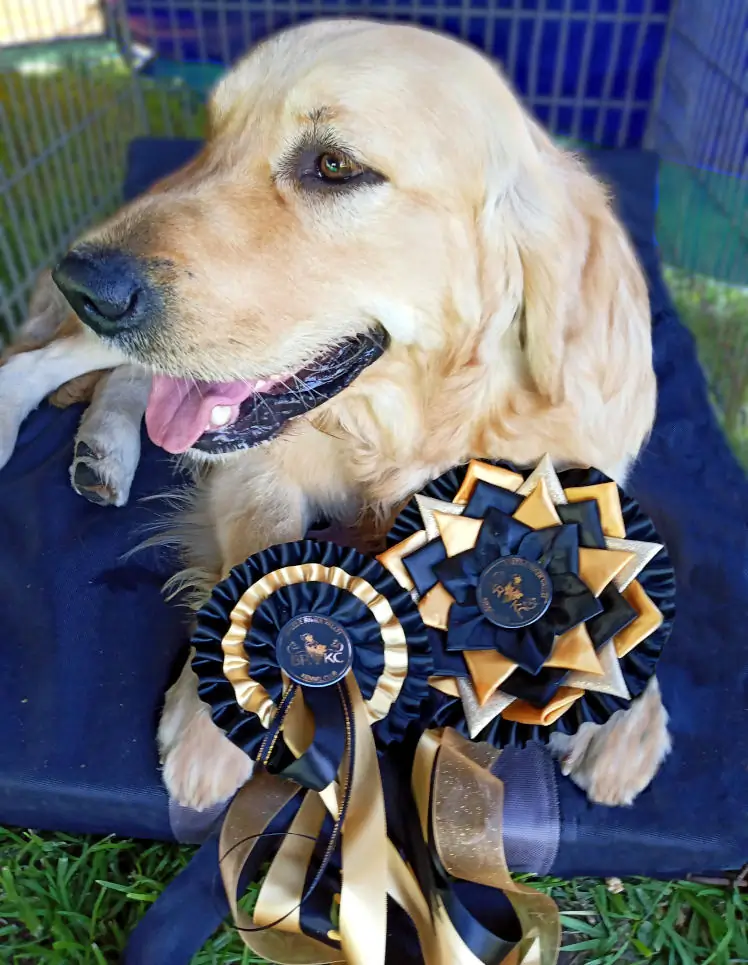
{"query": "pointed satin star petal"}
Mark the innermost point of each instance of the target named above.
(392, 558)
(574, 650)
(537, 509)
(646, 623)
(609, 502)
(458, 532)
(434, 607)
(524, 713)
(488, 671)
(427, 505)
(479, 716)
(445, 685)
(598, 567)
(643, 554)
(544, 470)
(494, 475)
(610, 682)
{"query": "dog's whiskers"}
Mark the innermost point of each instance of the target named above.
(308, 388)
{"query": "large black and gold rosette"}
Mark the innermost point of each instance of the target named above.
(315, 661)
(547, 595)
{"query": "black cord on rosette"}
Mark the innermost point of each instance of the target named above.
(550, 558)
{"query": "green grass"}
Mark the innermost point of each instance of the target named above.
(657, 922)
(68, 900)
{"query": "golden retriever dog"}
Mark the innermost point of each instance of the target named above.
(361, 181)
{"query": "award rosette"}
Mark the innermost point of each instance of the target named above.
(315, 661)
(308, 653)
(548, 597)
(320, 622)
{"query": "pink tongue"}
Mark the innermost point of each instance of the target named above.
(179, 409)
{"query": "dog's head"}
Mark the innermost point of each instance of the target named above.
(361, 186)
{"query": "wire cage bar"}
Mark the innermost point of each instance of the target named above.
(80, 78)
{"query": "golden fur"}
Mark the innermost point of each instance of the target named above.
(517, 311)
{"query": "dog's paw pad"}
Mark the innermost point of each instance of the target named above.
(94, 479)
(84, 451)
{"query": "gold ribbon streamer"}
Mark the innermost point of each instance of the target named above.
(363, 900)
(464, 805)
(465, 801)
(405, 890)
(363, 896)
(283, 888)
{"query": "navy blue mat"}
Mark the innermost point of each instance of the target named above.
(88, 646)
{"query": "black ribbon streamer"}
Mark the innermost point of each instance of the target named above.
(483, 917)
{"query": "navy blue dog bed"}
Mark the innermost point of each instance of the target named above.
(88, 645)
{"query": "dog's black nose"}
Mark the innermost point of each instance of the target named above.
(107, 289)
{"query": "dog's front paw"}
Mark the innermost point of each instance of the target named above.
(107, 445)
(615, 761)
(203, 767)
(99, 476)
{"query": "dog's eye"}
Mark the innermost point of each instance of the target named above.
(326, 167)
(336, 167)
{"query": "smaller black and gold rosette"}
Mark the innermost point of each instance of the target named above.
(300, 623)
(547, 595)
(311, 657)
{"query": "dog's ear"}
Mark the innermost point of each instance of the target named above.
(554, 250)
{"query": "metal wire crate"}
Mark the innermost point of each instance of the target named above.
(80, 78)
